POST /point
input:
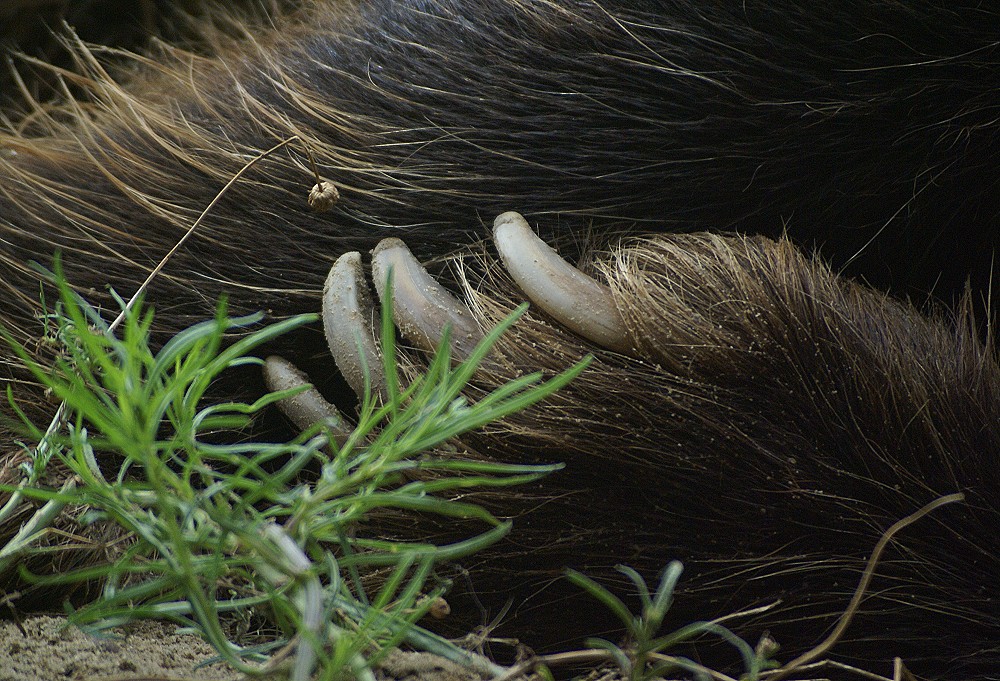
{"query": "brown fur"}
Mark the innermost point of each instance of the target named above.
(776, 421)
(779, 418)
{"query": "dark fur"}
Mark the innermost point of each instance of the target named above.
(865, 129)
(776, 420)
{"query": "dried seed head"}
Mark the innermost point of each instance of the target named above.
(439, 609)
(323, 196)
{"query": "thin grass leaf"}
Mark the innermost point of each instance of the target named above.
(602, 595)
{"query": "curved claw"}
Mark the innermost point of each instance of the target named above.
(575, 300)
(421, 306)
(347, 315)
(308, 407)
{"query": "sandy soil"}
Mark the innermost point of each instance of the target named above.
(47, 650)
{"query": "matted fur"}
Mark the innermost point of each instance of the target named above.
(822, 412)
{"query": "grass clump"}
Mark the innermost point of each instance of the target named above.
(220, 526)
(644, 655)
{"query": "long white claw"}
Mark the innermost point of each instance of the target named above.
(308, 407)
(422, 307)
(347, 322)
(571, 297)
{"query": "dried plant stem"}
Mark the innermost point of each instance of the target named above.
(866, 578)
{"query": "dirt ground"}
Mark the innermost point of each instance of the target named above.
(46, 650)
